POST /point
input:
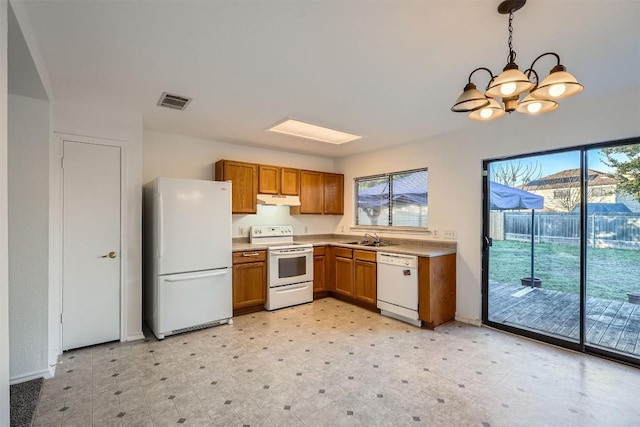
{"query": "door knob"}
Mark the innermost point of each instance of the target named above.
(109, 255)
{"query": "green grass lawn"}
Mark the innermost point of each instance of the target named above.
(611, 273)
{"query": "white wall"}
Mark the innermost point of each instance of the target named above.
(178, 156)
(4, 265)
(455, 163)
(28, 169)
(125, 127)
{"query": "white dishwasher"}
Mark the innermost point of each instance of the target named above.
(398, 287)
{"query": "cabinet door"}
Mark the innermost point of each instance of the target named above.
(289, 181)
(249, 284)
(311, 192)
(318, 273)
(244, 184)
(268, 179)
(333, 194)
(437, 289)
(344, 276)
(365, 281)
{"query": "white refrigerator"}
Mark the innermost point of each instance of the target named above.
(188, 257)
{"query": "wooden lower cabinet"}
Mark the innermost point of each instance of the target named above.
(344, 276)
(343, 271)
(319, 269)
(365, 281)
(249, 280)
(437, 289)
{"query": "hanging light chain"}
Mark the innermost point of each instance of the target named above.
(512, 54)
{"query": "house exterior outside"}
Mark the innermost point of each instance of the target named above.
(561, 190)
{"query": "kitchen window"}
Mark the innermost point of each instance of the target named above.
(397, 199)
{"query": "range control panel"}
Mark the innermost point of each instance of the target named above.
(271, 231)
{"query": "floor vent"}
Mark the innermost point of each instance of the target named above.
(202, 326)
(175, 102)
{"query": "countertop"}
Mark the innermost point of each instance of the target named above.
(423, 248)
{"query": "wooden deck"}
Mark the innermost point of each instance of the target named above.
(609, 324)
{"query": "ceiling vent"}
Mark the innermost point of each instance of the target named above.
(175, 102)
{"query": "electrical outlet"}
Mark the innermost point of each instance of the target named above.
(342, 229)
(450, 234)
(434, 233)
(241, 230)
(306, 230)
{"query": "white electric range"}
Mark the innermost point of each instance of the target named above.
(289, 266)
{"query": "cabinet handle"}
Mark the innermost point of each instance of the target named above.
(250, 253)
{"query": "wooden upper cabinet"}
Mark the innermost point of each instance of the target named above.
(289, 181)
(268, 179)
(333, 194)
(244, 184)
(311, 192)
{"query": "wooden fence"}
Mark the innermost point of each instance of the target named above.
(619, 231)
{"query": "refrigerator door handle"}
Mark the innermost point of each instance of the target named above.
(160, 227)
(190, 276)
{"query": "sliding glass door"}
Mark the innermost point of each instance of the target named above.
(533, 233)
(612, 319)
(561, 258)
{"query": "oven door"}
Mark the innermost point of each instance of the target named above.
(287, 266)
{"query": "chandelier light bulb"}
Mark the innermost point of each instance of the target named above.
(557, 90)
(485, 113)
(534, 107)
(508, 88)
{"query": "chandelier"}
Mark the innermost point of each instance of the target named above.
(512, 83)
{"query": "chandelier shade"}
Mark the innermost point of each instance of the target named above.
(491, 112)
(557, 85)
(510, 85)
(531, 105)
(470, 99)
(510, 82)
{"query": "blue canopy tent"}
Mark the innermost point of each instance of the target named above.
(503, 197)
(409, 189)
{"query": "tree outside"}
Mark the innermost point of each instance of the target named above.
(626, 162)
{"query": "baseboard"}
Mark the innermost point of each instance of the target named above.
(30, 376)
(136, 336)
(473, 322)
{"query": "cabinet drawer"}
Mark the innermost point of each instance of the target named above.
(318, 250)
(249, 256)
(343, 252)
(364, 255)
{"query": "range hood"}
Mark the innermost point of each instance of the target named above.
(275, 199)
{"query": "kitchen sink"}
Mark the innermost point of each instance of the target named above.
(367, 243)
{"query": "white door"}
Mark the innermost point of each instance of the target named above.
(91, 244)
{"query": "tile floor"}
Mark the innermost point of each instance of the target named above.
(330, 363)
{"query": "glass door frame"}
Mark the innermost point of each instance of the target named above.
(582, 345)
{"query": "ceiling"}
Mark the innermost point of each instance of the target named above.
(386, 70)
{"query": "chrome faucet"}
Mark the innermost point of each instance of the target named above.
(374, 239)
